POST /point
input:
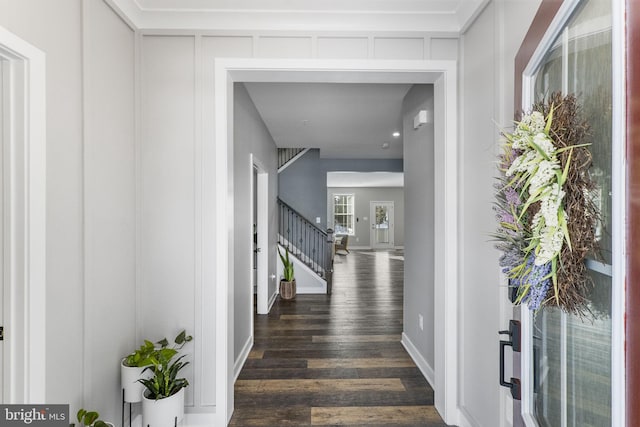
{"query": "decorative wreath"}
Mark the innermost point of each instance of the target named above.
(544, 207)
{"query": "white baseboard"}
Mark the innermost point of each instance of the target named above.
(242, 357)
(399, 247)
(466, 419)
(198, 419)
(272, 301)
(351, 247)
(420, 361)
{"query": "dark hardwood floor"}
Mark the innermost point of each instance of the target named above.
(336, 360)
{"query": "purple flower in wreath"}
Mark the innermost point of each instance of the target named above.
(538, 279)
(512, 196)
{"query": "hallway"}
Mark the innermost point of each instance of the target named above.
(336, 360)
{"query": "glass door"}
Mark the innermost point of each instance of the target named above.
(569, 374)
(382, 225)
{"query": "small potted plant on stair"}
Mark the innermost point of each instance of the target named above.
(288, 281)
(163, 397)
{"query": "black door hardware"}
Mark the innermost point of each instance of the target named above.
(514, 343)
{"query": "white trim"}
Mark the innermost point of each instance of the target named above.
(619, 211)
(526, 366)
(242, 357)
(443, 74)
(467, 420)
(28, 223)
(262, 226)
(273, 298)
(562, 16)
(421, 362)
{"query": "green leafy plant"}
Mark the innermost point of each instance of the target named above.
(142, 356)
(90, 418)
(165, 382)
(288, 265)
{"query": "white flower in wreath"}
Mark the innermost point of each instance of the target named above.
(543, 175)
(522, 163)
(544, 142)
(550, 244)
(536, 122)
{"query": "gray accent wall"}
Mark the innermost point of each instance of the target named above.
(363, 197)
(250, 136)
(419, 218)
(303, 184)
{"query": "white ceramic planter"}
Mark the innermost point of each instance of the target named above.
(163, 412)
(129, 376)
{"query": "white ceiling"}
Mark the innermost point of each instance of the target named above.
(365, 179)
(446, 16)
(342, 120)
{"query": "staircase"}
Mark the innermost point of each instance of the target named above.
(287, 156)
(304, 240)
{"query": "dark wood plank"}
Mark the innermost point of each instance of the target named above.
(336, 360)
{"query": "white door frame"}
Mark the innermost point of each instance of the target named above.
(24, 198)
(218, 202)
(391, 244)
(618, 185)
(262, 225)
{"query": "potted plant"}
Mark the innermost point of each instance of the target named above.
(163, 397)
(288, 282)
(90, 419)
(133, 367)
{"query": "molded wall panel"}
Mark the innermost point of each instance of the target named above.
(284, 47)
(227, 47)
(168, 278)
(488, 49)
(110, 204)
(444, 49)
(398, 48)
(343, 47)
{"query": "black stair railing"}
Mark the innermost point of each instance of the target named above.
(286, 154)
(306, 241)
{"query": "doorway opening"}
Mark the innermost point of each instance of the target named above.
(23, 157)
(442, 74)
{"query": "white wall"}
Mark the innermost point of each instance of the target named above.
(488, 50)
(109, 203)
(250, 137)
(176, 81)
(168, 224)
(61, 41)
(419, 196)
(90, 194)
(363, 197)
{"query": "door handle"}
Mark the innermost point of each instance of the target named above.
(514, 343)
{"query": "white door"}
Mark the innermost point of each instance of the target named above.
(259, 235)
(382, 225)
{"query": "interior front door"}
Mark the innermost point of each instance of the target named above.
(567, 360)
(382, 225)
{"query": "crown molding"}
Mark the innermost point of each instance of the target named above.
(380, 16)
